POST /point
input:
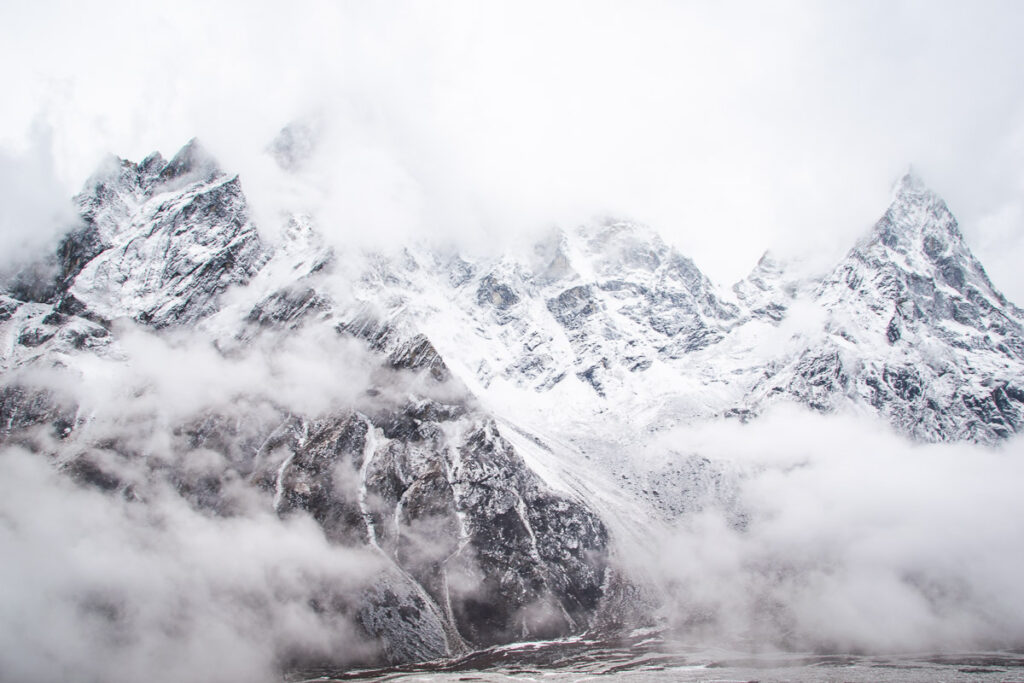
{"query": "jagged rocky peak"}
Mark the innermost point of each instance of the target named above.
(115, 176)
(620, 244)
(295, 144)
(919, 227)
(117, 187)
(769, 268)
(766, 291)
(628, 253)
(192, 163)
(552, 258)
(775, 283)
(915, 264)
(915, 212)
(915, 330)
(159, 241)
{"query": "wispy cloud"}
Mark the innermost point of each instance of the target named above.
(729, 126)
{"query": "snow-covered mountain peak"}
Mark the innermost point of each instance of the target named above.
(913, 328)
(918, 222)
(609, 314)
(192, 162)
(910, 182)
(916, 257)
(766, 291)
(161, 240)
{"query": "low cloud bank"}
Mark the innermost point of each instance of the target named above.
(98, 588)
(852, 540)
(167, 560)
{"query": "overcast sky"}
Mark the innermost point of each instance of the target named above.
(730, 127)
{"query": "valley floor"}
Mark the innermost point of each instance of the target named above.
(647, 657)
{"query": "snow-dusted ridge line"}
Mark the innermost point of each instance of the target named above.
(515, 434)
(612, 326)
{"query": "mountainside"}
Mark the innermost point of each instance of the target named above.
(914, 330)
(463, 418)
(607, 320)
(479, 550)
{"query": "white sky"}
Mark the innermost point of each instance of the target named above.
(730, 127)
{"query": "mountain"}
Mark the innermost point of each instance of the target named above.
(908, 326)
(480, 550)
(914, 330)
(469, 419)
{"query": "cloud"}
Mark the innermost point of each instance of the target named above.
(731, 127)
(853, 540)
(97, 588)
(180, 568)
(34, 207)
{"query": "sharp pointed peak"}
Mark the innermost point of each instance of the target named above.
(191, 159)
(296, 144)
(769, 259)
(910, 183)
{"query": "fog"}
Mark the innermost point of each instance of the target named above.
(852, 540)
(144, 580)
(97, 588)
(35, 208)
(730, 127)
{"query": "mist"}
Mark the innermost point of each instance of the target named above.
(35, 208)
(135, 549)
(849, 539)
(104, 589)
(729, 127)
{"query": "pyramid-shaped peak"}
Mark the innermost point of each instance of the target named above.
(769, 262)
(910, 183)
(918, 241)
(916, 215)
(152, 164)
(192, 159)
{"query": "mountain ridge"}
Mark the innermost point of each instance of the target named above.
(483, 404)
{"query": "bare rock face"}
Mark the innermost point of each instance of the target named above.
(436, 489)
(475, 548)
(915, 330)
(479, 539)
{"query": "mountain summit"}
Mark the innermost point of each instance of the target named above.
(467, 418)
(915, 330)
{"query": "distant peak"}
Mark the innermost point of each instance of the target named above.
(295, 145)
(153, 163)
(768, 260)
(190, 159)
(910, 183)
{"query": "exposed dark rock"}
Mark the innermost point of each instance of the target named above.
(288, 307)
(23, 407)
(573, 306)
(403, 351)
(494, 293)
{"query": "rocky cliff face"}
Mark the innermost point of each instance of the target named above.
(162, 240)
(477, 549)
(914, 330)
(482, 443)
(907, 326)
